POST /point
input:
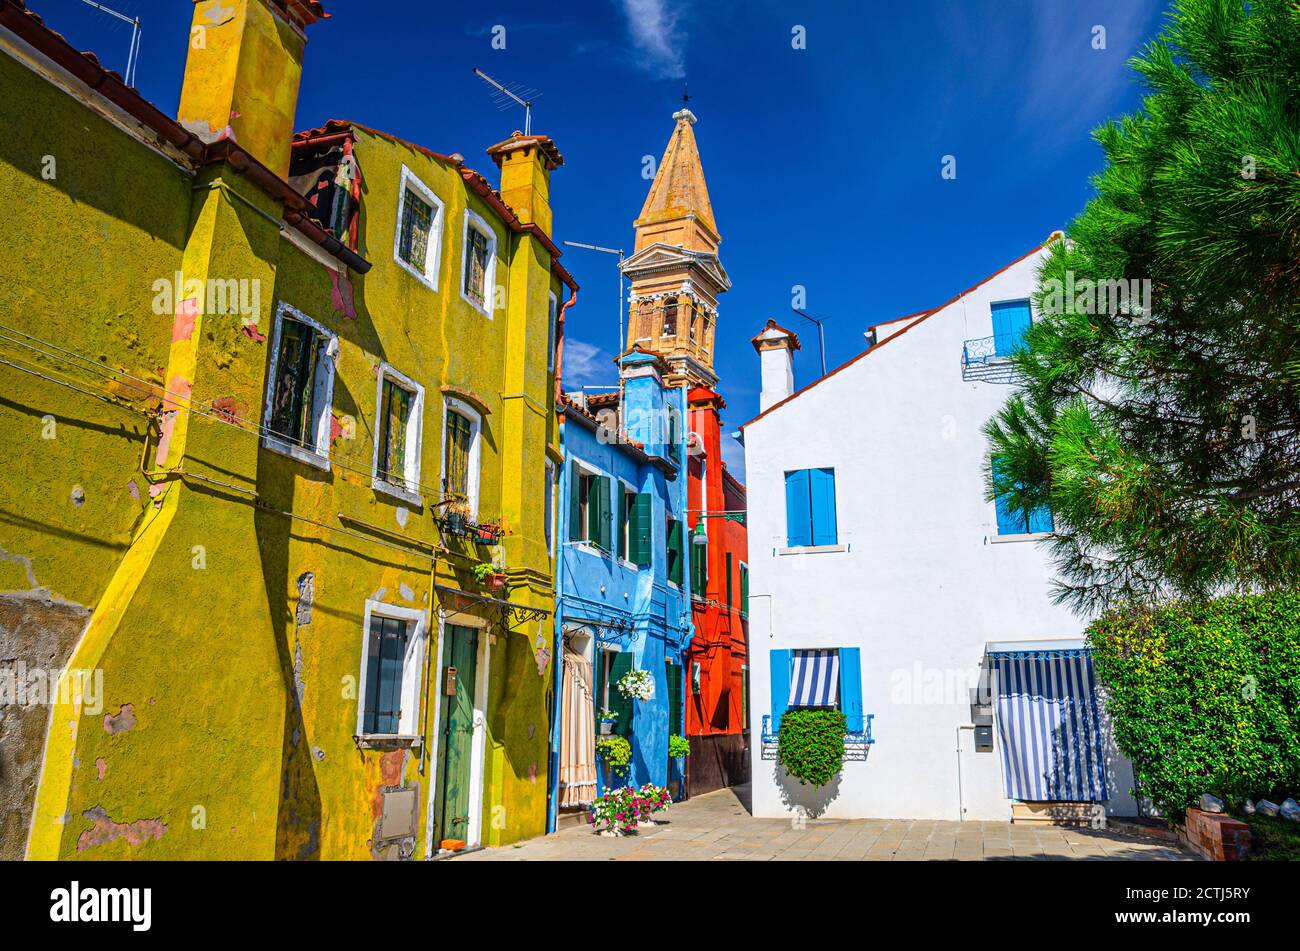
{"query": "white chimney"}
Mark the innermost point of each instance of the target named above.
(776, 347)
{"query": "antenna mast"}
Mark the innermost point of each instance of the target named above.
(133, 56)
(508, 94)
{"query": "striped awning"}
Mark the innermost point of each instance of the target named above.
(814, 678)
(1048, 726)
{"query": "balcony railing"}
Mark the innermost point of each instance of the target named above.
(987, 359)
(855, 743)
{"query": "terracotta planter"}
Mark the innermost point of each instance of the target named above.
(495, 582)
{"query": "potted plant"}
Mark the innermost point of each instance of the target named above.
(648, 800)
(615, 813)
(486, 533)
(637, 684)
(455, 516)
(678, 746)
(486, 574)
(678, 749)
(615, 752)
(810, 745)
(608, 720)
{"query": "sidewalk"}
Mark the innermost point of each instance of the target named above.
(718, 827)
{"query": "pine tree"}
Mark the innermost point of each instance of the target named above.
(1166, 438)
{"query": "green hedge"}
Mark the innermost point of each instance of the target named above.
(810, 744)
(1205, 697)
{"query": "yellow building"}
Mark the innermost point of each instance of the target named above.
(281, 420)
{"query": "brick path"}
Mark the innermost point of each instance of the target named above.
(718, 827)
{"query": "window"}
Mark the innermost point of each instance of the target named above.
(419, 230)
(744, 696)
(810, 508)
(460, 454)
(1019, 521)
(398, 429)
(548, 516)
(744, 589)
(611, 667)
(639, 535)
(692, 321)
(480, 263)
(817, 679)
(670, 319)
(623, 528)
(553, 322)
(1010, 321)
(391, 671)
(673, 532)
(300, 388)
(589, 508)
(674, 434)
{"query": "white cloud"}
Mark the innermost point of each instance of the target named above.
(653, 25)
(586, 365)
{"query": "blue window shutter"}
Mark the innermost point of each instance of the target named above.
(798, 509)
(1010, 321)
(824, 530)
(851, 688)
(1010, 521)
(780, 669)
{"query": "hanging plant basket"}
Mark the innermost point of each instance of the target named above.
(453, 523)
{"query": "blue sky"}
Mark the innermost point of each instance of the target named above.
(823, 163)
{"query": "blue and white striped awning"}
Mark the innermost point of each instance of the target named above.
(815, 678)
(1048, 725)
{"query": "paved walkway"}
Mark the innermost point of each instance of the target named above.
(718, 827)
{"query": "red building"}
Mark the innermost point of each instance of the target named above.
(717, 661)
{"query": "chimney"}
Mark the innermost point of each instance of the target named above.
(776, 347)
(526, 163)
(242, 74)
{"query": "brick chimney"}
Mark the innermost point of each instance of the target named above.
(776, 347)
(242, 74)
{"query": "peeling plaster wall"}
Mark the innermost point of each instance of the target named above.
(229, 710)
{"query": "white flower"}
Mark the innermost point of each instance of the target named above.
(637, 684)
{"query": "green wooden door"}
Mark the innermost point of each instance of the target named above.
(457, 739)
(673, 674)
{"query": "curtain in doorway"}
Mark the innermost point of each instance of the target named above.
(577, 734)
(1049, 729)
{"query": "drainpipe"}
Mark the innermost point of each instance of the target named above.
(961, 793)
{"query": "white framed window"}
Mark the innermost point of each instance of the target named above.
(300, 388)
(417, 244)
(392, 669)
(553, 319)
(462, 429)
(399, 415)
(479, 263)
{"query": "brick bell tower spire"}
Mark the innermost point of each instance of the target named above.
(674, 269)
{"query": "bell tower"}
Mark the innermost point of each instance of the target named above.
(674, 269)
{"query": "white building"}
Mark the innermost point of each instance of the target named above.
(882, 582)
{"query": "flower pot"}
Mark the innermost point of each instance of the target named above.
(612, 833)
(454, 523)
(495, 582)
(607, 727)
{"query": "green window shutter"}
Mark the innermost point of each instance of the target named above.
(575, 502)
(699, 570)
(728, 579)
(674, 675)
(744, 589)
(601, 534)
(675, 551)
(619, 703)
(639, 540)
(620, 540)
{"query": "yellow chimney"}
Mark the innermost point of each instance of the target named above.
(526, 162)
(242, 74)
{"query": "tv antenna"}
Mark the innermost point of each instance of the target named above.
(133, 56)
(515, 94)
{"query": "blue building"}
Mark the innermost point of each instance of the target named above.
(622, 586)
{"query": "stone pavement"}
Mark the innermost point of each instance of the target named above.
(718, 827)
